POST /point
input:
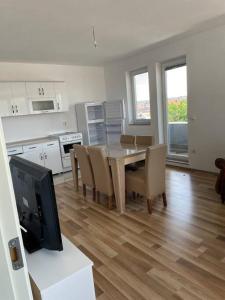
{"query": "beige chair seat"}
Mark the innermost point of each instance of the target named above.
(136, 179)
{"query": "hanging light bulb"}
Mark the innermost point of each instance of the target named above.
(94, 37)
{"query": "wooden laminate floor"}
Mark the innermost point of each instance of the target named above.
(176, 253)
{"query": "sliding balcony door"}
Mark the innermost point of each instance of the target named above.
(175, 109)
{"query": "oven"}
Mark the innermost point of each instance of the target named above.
(67, 146)
(66, 142)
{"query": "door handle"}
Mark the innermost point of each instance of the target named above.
(39, 91)
(43, 92)
(17, 109)
(15, 254)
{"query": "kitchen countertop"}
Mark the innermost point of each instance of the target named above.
(30, 142)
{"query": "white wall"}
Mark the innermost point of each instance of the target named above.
(205, 54)
(83, 84)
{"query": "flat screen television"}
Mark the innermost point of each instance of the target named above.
(36, 205)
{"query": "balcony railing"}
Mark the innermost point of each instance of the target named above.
(178, 138)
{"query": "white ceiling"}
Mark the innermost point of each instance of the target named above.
(59, 31)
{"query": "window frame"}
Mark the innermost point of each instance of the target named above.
(133, 73)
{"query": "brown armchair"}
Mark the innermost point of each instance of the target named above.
(220, 183)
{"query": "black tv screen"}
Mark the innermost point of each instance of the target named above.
(36, 205)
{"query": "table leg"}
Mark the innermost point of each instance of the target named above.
(74, 171)
(118, 175)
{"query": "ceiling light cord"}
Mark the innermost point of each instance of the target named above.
(94, 37)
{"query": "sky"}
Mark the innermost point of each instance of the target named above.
(142, 88)
(176, 81)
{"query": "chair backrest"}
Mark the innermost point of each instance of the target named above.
(155, 169)
(127, 139)
(146, 140)
(101, 170)
(86, 171)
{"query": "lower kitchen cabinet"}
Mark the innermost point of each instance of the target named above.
(44, 154)
(52, 157)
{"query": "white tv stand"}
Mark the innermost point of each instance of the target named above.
(57, 275)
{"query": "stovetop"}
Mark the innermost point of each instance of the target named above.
(68, 136)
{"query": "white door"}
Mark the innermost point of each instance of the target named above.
(176, 109)
(47, 89)
(52, 157)
(34, 89)
(34, 153)
(34, 156)
(61, 97)
(19, 98)
(14, 284)
(5, 98)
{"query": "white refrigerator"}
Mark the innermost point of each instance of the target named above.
(114, 120)
(91, 122)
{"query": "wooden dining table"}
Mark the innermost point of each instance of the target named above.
(119, 155)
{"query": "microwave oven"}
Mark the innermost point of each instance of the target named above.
(38, 106)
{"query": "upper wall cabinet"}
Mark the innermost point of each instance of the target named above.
(5, 99)
(61, 98)
(19, 103)
(18, 98)
(40, 89)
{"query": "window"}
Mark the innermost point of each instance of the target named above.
(140, 96)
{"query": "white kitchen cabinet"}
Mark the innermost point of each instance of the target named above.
(33, 89)
(40, 89)
(52, 157)
(24, 98)
(61, 97)
(19, 102)
(33, 156)
(5, 99)
(34, 153)
(45, 154)
(47, 89)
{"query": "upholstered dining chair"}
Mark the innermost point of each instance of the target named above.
(150, 180)
(143, 140)
(127, 139)
(146, 140)
(102, 173)
(86, 171)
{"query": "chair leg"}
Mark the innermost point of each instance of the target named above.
(84, 190)
(98, 197)
(164, 199)
(110, 200)
(94, 194)
(134, 195)
(149, 203)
